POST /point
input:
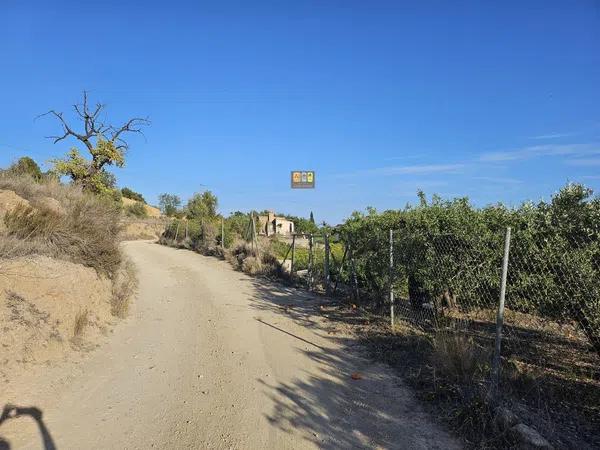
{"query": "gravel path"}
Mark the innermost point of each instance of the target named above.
(211, 358)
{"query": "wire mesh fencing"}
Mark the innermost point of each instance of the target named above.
(536, 342)
(551, 331)
(515, 317)
(314, 260)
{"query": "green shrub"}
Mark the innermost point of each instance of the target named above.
(137, 210)
(169, 204)
(452, 247)
(131, 194)
(26, 166)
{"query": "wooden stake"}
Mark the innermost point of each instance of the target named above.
(293, 254)
(222, 234)
(340, 270)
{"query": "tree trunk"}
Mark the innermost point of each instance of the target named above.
(417, 293)
(592, 331)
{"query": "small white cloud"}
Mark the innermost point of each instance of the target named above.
(584, 162)
(410, 187)
(421, 184)
(418, 169)
(499, 180)
(538, 151)
(403, 158)
(423, 169)
(552, 136)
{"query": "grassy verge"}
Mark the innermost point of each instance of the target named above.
(62, 222)
(449, 370)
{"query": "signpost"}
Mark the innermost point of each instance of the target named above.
(303, 179)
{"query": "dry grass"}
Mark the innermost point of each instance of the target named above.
(33, 191)
(134, 229)
(447, 373)
(238, 253)
(459, 358)
(81, 321)
(65, 223)
(85, 231)
(252, 265)
(219, 252)
(125, 285)
(254, 261)
(13, 247)
(549, 376)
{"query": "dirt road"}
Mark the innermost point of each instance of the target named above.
(210, 358)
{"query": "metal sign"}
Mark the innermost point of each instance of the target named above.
(303, 179)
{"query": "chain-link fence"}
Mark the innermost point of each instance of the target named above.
(537, 342)
(515, 317)
(449, 285)
(318, 261)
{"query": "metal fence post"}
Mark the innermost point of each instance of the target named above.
(254, 243)
(500, 319)
(293, 255)
(354, 277)
(310, 261)
(391, 278)
(326, 263)
(177, 231)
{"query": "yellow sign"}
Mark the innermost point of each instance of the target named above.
(303, 179)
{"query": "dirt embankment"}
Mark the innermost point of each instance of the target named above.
(63, 279)
(142, 229)
(147, 228)
(151, 211)
(8, 201)
(47, 308)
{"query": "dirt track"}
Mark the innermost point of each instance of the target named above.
(210, 358)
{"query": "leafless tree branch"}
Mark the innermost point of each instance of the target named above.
(93, 128)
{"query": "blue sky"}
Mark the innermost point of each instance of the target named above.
(498, 101)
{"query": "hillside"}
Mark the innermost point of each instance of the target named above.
(63, 278)
(151, 211)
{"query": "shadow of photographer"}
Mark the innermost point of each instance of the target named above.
(11, 412)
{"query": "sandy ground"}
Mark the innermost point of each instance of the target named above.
(41, 300)
(211, 358)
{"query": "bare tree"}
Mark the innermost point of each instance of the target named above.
(105, 143)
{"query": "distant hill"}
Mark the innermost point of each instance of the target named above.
(151, 210)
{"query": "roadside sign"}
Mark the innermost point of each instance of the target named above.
(303, 179)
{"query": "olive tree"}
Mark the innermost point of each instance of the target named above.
(169, 204)
(202, 206)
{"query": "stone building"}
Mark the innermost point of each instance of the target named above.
(271, 224)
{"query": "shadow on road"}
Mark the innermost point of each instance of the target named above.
(344, 400)
(12, 412)
(289, 334)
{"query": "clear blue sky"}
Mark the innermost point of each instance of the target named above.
(498, 101)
